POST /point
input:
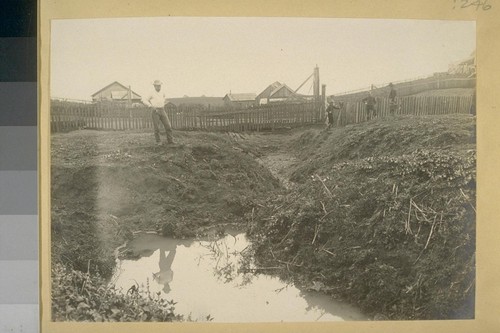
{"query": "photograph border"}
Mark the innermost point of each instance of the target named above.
(487, 46)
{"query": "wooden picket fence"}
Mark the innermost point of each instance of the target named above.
(67, 118)
(353, 113)
(411, 87)
(112, 118)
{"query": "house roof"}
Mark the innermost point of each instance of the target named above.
(241, 97)
(282, 86)
(269, 89)
(213, 101)
(274, 88)
(121, 94)
(118, 83)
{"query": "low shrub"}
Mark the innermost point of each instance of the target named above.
(78, 296)
(393, 234)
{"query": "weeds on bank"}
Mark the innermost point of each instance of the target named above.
(78, 296)
(394, 234)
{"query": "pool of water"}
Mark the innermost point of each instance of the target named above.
(206, 277)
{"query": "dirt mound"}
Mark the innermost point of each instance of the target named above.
(383, 216)
(106, 185)
(319, 149)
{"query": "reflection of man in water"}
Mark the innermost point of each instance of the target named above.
(166, 274)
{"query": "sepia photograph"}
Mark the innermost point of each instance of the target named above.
(262, 169)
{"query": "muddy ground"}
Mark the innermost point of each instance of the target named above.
(108, 185)
(378, 214)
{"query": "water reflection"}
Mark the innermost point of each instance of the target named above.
(228, 255)
(152, 246)
(166, 274)
(209, 279)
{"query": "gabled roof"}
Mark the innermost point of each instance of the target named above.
(121, 94)
(118, 83)
(267, 92)
(241, 97)
(282, 86)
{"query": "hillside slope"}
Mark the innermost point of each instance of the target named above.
(107, 185)
(383, 215)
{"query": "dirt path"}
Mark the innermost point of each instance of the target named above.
(279, 164)
(271, 151)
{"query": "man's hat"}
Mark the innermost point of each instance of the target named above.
(157, 83)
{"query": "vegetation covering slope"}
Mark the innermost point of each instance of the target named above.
(78, 296)
(383, 215)
(106, 185)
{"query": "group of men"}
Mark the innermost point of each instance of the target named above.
(370, 102)
(156, 101)
(370, 106)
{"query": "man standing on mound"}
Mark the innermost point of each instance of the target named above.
(156, 101)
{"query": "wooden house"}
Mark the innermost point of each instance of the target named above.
(202, 102)
(239, 101)
(277, 92)
(116, 92)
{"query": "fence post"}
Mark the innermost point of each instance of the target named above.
(323, 101)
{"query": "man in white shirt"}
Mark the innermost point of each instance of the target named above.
(156, 101)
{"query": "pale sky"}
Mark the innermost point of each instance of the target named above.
(213, 56)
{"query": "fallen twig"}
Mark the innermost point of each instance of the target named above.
(323, 205)
(428, 240)
(407, 224)
(470, 286)
(331, 253)
(324, 185)
(177, 180)
(288, 233)
(416, 206)
(418, 232)
(316, 231)
(430, 233)
(328, 213)
(467, 198)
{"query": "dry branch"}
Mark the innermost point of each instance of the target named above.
(331, 253)
(324, 185)
(430, 233)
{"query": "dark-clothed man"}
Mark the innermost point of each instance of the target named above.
(332, 106)
(393, 104)
(370, 103)
(156, 101)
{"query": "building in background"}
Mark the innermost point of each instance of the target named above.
(278, 92)
(465, 67)
(201, 102)
(116, 93)
(239, 101)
